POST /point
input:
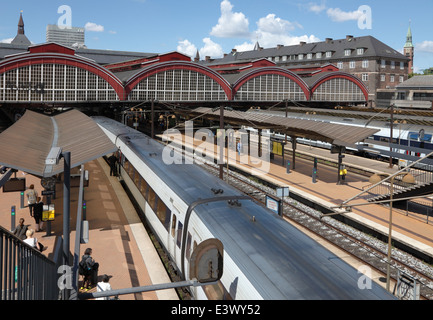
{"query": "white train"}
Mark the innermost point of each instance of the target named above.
(410, 141)
(264, 256)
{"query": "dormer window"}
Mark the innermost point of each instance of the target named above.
(360, 51)
(301, 56)
(318, 55)
(328, 54)
(347, 52)
(309, 55)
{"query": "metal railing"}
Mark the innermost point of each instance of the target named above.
(25, 273)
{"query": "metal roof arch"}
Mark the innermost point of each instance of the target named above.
(134, 80)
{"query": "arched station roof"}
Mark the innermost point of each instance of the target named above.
(146, 72)
(53, 53)
(271, 71)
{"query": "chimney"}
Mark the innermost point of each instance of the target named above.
(234, 50)
(279, 46)
(328, 40)
(349, 38)
(302, 43)
(207, 58)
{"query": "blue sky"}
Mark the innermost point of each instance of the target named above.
(215, 27)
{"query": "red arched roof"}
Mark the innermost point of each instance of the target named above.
(177, 65)
(28, 59)
(340, 75)
(274, 71)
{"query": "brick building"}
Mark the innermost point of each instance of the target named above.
(372, 61)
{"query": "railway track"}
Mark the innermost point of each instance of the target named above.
(370, 251)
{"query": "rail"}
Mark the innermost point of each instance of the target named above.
(25, 273)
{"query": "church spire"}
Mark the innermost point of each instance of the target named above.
(409, 43)
(21, 24)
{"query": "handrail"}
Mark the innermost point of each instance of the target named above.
(25, 273)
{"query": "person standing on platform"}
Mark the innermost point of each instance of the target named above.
(343, 173)
(90, 269)
(112, 160)
(37, 214)
(32, 196)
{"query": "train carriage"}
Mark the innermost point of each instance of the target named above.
(264, 256)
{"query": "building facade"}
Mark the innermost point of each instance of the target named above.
(377, 65)
(71, 37)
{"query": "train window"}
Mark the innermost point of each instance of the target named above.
(173, 226)
(143, 188)
(179, 233)
(163, 213)
(188, 246)
(126, 164)
(151, 198)
(137, 179)
(413, 136)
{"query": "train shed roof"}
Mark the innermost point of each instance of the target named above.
(26, 144)
(342, 135)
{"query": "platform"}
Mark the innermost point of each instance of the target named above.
(119, 241)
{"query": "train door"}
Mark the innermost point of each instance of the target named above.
(171, 241)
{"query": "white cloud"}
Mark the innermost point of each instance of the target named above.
(230, 24)
(187, 48)
(425, 46)
(90, 26)
(9, 40)
(316, 8)
(211, 49)
(338, 15)
(272, 31)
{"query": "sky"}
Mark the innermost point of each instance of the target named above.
(215, 27)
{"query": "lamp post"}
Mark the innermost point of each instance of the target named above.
(375, 178)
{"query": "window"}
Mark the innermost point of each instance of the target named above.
(382, 63)
(151, 199)
(318, 55)
(277, 59)
(173, 226)
(401, 65)
(365, 77)
(328, 54)
(347, 52)
(340, 65)
(365, 63)
(401, 78)
(179, 233)
(392, 78)
(392, 64)
(382, 77)
(284, 58)
(360, 51)
(309, 56)
(301, 57)
(352, 64)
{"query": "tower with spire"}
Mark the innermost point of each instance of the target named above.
(21, 38)
(409, 49)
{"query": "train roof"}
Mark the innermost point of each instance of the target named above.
(281, 261)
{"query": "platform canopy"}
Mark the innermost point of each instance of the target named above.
(338, 134)
(27, 144)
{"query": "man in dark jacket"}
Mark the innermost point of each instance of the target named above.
(91, 268)
(37, 214)
(21, 229)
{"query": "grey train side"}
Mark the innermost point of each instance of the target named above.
(264, 257)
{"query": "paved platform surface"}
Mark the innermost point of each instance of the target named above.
(119, 241)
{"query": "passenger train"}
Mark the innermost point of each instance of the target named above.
(410, 141)
(264, 256)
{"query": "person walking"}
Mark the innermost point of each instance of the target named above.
(113, 165)
(32, 196)
(37, 214)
